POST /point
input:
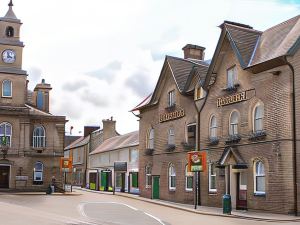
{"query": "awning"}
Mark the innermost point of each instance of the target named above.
(230, 153)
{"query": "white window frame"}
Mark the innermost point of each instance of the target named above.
(148, 173)
(187, 176)
(134, 155)
(213, 128)
(5, 124)
(35, 171)
(151, 139)
(210, 175)
(172, 175)
(171, 136)
(39, 140)
(7, 96)
(257, 117)
(171, 98)
(231, 77)
(259, 174)
(234, 123)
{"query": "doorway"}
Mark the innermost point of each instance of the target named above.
(4, 176)
(241, 198)
(155, 187)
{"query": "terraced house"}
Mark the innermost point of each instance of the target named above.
(248, 124)
(32, 139)
(168, 128)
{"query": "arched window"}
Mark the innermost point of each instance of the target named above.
(213, 127)
(259, 178)
(171, 136)
(151, 139)
(188, 179)
(5, 134)
(233, 126)
(148, 174)
(38, 173)
(172, 177)
(39, 137)
(258, 118)
(6, 88)
(9, 31)
(40, 100)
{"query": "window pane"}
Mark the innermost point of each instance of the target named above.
(213, 182)
(38, 176)
(192, 135)
(260, 184)
(40, 100)
(189, 182)
(173, 180)
(38, 166)
(6, 88)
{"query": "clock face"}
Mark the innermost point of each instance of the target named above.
(9, 56)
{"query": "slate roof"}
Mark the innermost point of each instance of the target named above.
(78, 143)
(118, 142)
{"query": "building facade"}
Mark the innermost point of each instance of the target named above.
(32, 139)
(168, 128)
(247, 120)
(122, 148)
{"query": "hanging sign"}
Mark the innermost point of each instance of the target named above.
(196, 161)
(66, 164)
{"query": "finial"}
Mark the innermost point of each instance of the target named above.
(10, 3)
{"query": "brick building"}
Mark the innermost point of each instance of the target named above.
(168, 128)
(246, 123)
(32, 137)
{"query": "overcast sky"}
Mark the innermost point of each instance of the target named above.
(102, 57)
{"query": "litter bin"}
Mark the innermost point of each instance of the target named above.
(226, 204)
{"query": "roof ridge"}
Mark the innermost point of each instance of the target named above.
(244, 28)
(182, 59)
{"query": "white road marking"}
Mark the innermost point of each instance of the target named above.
(158, 220)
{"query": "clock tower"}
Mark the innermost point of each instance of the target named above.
(10, 45)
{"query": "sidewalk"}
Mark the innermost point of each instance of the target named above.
(204, 210)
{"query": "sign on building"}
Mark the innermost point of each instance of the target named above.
(66, 164)
(196, 161)
(120, 166)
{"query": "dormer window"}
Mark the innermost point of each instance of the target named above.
(9, 31)
(231, 77)
(171, 98)
(199, 93)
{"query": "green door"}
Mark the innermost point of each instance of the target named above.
(103, 186)
(155, 187)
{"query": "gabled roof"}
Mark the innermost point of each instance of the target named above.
(78, 143)
(182, 71)
(253, 48)
(118, 142)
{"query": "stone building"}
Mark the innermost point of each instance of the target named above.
(168, 128)
(80, 149)
(247, 121)
(121, 148)
(32, 137)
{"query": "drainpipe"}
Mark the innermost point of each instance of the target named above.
(294, 137)
(198, 138)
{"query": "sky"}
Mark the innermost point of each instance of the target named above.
(103, 57)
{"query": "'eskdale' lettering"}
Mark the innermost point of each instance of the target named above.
(239, 97)
(171, 116)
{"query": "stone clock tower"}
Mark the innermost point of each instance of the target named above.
(11, 49)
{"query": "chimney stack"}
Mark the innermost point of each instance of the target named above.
(193, 52)
(109, 128)
(89, 129)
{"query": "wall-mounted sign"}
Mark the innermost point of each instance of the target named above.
(196, 161)
(120, 166)
(21, 178)
(171, 115)
(227, 100)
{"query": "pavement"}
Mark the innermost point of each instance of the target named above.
(204, 210)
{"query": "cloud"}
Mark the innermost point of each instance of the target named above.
(74, 86)
(35, 76)
(94, 98)
(108, 72)
(139, 83)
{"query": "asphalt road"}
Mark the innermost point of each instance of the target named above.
(87, 208)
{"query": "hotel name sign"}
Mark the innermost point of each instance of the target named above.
(171, 115)
(227, 100)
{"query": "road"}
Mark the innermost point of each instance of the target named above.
(86, 208)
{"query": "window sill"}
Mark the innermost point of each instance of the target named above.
(260, 194)
(172, 190)
(188, 190)
(9, 97)
(212, 193)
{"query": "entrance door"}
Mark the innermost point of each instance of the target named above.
(155, 187)
(4, 176)
(241, 198)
